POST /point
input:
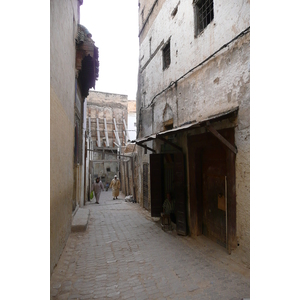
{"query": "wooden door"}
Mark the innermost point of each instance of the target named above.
(180, 193)
(145, 185)
(209, 162)
(213, 187)
(156, 184)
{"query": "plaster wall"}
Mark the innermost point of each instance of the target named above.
(148, 10)
(63, 26)
(63, 30)
(231, 17)
(217, 86)
(107, 105)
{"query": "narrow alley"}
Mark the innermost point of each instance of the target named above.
(124, 254)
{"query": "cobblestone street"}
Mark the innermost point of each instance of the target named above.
(124, 254)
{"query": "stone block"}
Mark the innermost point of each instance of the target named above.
(80, 220)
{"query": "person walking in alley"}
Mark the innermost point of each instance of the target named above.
(97, 187)
(115, 185)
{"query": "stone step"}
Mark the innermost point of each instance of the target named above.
(80, 220)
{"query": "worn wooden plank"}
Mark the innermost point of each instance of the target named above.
(144, 146)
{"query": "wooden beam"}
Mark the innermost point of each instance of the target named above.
(106, 134)
(140, 144)
(98, 134)
(220, 137)
(170, 143)
(116, 132)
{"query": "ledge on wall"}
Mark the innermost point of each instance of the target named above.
(80, 220)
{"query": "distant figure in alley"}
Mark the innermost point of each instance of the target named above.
(115, 185)
(97, 187)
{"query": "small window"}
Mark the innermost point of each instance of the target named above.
(166, 56)
(168, 124)
(204, 14)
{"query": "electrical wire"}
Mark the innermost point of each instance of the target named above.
(244, 32)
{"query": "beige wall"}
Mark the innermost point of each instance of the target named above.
(63, 28)
(107, 105)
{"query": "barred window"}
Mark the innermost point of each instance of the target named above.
(204, 14)
(166, 56)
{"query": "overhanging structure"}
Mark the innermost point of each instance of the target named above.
(192, 125)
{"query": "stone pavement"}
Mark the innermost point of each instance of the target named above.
(124, 254)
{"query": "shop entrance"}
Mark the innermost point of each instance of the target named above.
(167, 176)
(212, 187)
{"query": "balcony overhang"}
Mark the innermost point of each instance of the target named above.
(87, 64)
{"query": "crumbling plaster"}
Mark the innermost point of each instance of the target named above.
(219, 85)
(186, 50)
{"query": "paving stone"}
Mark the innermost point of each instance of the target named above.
(121, 256)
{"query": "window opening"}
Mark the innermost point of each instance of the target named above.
(168, 124)
(204, 14)
(166, 56)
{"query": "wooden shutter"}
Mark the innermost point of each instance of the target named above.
(180, 193)
(145, 185)
(156, 184)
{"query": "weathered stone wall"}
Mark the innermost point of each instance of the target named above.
(148, 10)
(231, 18)
(220, 84)
(106, 105)
(63, 29)
(109, 106)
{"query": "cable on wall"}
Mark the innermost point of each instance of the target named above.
(244, 32)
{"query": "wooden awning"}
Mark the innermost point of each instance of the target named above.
(191, 125)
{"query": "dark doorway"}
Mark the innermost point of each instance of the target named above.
(145, 185)
(167, 176)
(212, 167)
(212, 180)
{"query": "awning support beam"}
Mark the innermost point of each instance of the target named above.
(220, 137)
(170, 143)
(144, 146)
